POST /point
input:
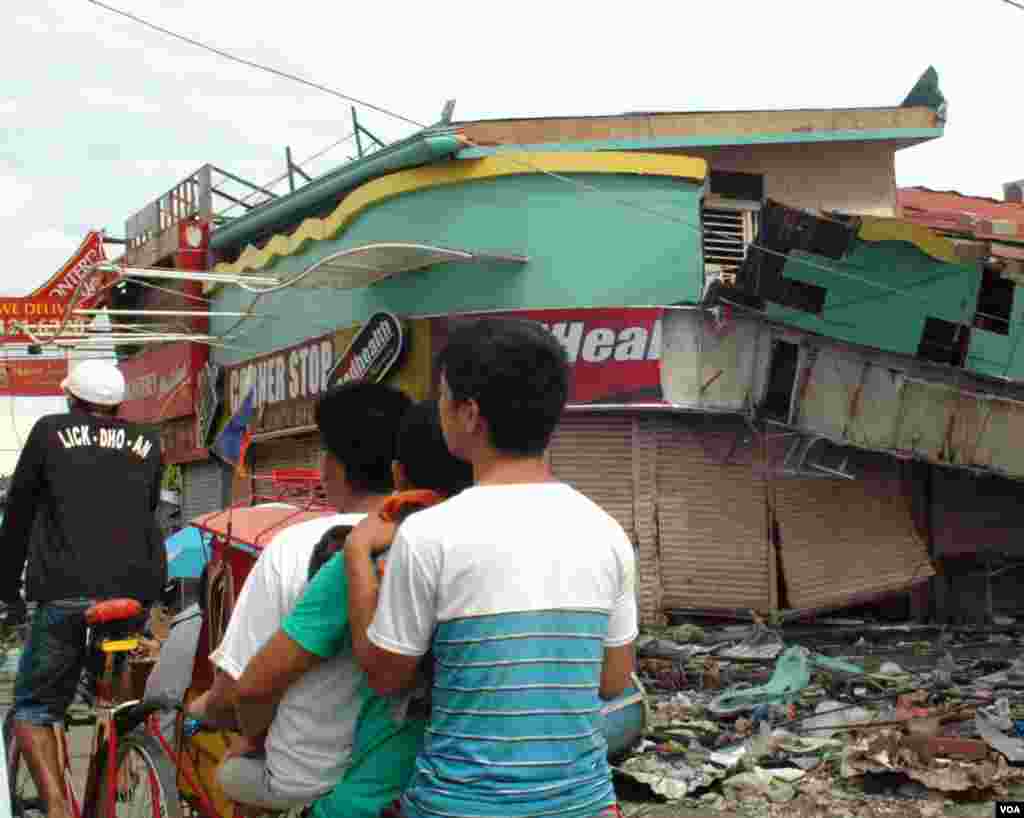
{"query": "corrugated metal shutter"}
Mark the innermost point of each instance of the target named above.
(847, 540)
(594, 453)
(711, 522)
(300, 452)
(645, 495)
(202, 488)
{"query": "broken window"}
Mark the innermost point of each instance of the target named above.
(995, 302)
(727, 184)
(778, 395)
(944, 342)
(729, 218)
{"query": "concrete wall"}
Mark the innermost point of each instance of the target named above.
(855, 177)
(585, 250)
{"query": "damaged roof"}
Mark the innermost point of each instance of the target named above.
(974, 217)
(920, 117)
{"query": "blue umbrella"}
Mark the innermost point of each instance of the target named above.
(186, 553)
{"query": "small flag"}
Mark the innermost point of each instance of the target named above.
(233, 441)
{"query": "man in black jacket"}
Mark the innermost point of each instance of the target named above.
(90, 484)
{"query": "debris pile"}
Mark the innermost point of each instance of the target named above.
(744, 721)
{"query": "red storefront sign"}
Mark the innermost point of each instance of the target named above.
(32, 377)
(45, 308)
(615, 352)
(160, 382)
(288, 384)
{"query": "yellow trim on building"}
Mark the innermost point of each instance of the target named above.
(877, 228)
(457, 172)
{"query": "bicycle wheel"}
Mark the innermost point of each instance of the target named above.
(145, 781)
(25, 802)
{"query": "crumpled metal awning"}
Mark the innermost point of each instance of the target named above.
(367, 264)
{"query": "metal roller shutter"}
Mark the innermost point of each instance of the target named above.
(645, 497)
(711, 523)
(202, 488)
(848, 540)
(594, 453)
(300, 452)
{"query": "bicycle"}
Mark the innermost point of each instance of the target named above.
(123, 758)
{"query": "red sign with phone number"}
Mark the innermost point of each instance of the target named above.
(46, 307)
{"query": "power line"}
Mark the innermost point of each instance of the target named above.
(276, 71)
(578, 183)
(1015, 4)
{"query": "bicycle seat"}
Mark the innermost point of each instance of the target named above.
(112, 610)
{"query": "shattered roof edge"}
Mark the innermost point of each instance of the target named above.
(639, 114)
(958, 194)
(911, 136)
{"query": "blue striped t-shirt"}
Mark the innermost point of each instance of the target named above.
(518, 590)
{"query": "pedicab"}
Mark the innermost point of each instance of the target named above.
(235, 536)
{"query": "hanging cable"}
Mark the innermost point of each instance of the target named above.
(524, 162)
(14, 418)
(276, 71)
(579, 184)
(142, 283)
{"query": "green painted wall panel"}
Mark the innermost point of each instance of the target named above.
(586, 249)
(880, 294)
(990, 352)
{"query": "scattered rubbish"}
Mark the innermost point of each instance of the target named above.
(792, 674)
(906, 706)
(743, 721)
(992, 731)
(686, 634)
(831, 716)
(998, 714)
(944, 670)
(758, 781)
(728, 758)
(885, 751)
(950, 747)
(763, 643)
(669, 649)
(671, 777)
(837, 666)
(712, 677)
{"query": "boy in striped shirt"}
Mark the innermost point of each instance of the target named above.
(521, 586)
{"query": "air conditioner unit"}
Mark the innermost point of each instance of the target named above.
(1014, 191)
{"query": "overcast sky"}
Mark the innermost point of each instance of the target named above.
(99, 115)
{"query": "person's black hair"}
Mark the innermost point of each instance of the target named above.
(423, 453)
(330, 543)
(358, 423)
(518, 374)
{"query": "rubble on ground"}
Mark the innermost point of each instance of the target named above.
(900, 721)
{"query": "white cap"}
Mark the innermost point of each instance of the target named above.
(95, 381)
